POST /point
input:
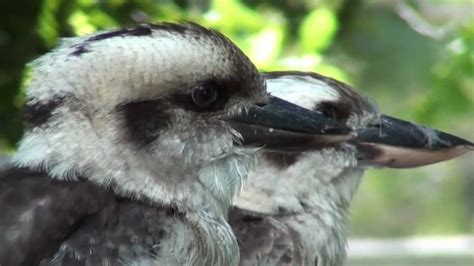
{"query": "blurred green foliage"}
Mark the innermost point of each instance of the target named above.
(415, 58)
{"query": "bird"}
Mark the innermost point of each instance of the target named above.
(136, 141)
(293, 208)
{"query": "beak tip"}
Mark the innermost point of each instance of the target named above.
(457, 151)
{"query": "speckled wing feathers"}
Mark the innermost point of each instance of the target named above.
(38, 213)
(262, 239)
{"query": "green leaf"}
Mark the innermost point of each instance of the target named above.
(47, 22)
(81, 24)
(266, 46)
(318, 30)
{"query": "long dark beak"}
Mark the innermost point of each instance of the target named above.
(400, 144)
(283, 126)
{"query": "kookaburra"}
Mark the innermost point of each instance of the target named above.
(293, 207)
(136, 142)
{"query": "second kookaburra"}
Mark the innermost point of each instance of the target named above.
(293, 208)
(136, 141)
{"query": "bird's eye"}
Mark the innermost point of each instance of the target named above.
(204, 95)
(328, 110)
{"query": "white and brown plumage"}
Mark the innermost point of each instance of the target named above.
(293, 208)
(133, 149)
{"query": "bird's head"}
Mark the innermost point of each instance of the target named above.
(332, 174)
(155, 112)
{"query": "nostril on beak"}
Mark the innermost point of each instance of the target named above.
(261, 104)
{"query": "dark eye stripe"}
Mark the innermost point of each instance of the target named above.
(38, 113)
(144, 121)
